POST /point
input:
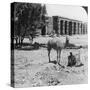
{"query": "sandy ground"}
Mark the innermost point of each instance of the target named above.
(32, 67)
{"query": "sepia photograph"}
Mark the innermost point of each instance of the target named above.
(49, 44)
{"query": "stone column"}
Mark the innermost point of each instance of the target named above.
(85, 28)
(72, 28)
(59, 26)
(81, 28)
(63, 27)
(67, 27)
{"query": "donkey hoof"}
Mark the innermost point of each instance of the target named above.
(49, 61)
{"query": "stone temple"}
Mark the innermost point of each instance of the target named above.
(63, 25)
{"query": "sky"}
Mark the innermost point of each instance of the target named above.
(68, 11)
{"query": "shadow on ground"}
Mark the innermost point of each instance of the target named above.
(36, 46)
(28, 46)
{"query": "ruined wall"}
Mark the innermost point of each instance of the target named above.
(66, 26)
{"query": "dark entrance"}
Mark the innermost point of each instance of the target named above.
(78, 28)
(74, 28)
(43, 31)
(61, 27)
(55, 24)
(65, 27)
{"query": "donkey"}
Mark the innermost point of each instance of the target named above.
(57, 44)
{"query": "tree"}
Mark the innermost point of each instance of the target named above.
(43, 19)
(43, 12)
(26, 18)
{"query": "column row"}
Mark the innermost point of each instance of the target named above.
(69, 27)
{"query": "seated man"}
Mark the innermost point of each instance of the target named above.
(71, 60)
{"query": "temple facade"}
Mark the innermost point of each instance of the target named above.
(65, 26)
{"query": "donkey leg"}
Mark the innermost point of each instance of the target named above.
(60, 58)
(57, 55)
(49, 55)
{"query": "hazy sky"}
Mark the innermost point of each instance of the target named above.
(73, 12)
